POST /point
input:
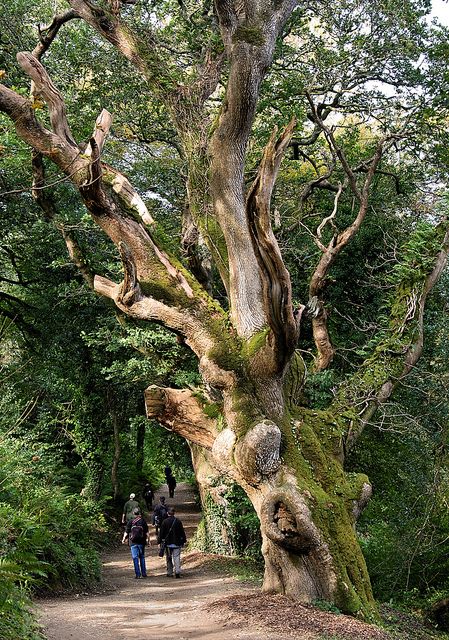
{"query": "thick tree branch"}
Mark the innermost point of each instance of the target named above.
(46, 88)
(144, 53)
(184, 103)
(30, 130)
(339, 240)
(276, 283)
(39, 192)
(127, 195)
(48, 34)
(109, 26)
(130, 299)
(162, 290)
(180, 411)
(101, 130)
(249, 33)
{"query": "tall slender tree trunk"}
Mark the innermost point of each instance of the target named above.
(116, 455)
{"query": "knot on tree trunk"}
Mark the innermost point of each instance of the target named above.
(257, 454)
(299, 562)
(288, 522)
(222, 450)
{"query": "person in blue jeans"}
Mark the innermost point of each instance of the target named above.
(136, 532)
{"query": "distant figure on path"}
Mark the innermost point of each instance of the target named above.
(171, 482)
(137, 533)
(129, 507)
(148, 496)
(168, 472)
(160, 513)
(172, 532)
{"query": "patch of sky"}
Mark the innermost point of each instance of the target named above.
(152, 195)
(440, 11)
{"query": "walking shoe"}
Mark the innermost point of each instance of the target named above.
(136, 577)
(169, 575)
(178, 575)
(144, 576)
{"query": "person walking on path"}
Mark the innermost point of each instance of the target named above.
(148, 496)
(129, 507)
(137, 533)
(160, 513)
(171, 482)
(173, 536)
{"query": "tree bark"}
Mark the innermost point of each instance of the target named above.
(216, 533)
(306, 503)
(116, 456)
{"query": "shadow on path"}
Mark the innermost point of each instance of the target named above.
(158, 608)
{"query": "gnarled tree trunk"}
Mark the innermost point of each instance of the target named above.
(306, 503)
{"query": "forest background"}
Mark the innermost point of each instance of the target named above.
(75, 439)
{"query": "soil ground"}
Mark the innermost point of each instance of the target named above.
(206, 603)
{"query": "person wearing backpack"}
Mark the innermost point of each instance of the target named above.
(129, 507)
(137, 533)
(160, 513)
(173, 538)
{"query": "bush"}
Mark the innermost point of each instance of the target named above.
(46, 533)
(16, 620)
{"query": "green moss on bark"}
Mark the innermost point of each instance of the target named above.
(250, 35)
(309, 449)
(255, 343)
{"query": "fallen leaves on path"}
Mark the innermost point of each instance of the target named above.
(276, 612)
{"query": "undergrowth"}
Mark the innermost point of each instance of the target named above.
(48, 535)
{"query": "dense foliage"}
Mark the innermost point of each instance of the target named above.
(50, 536)
(405, 528)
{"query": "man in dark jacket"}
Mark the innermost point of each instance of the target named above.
(171, 482)
(172, 532)
(148, 495)
(160, 513)
(137, 533)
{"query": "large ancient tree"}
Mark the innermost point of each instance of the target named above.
(251, 424)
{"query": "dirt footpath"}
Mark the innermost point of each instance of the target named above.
(156, 608)
(203, 604)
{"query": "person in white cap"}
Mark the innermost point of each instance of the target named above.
(129, 507)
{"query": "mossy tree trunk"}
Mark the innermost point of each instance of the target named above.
(306, 503)
(216, 533)
(249, 425)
